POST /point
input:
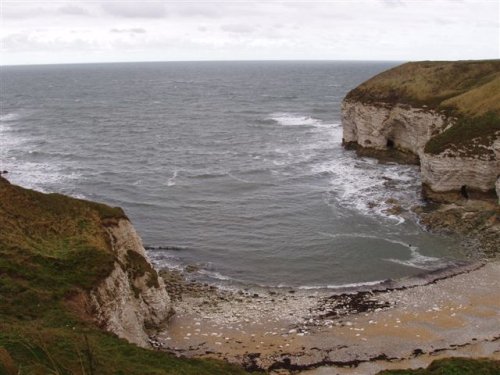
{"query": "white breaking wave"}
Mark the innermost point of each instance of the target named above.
(291, 119)
(420, 261)
(214, 275)
(171, 180)
(33, 174)
(239, 179)
(9, 117)
(362, 235)
(367, 186)
(362, 184)
(342, 286)
(417, 260)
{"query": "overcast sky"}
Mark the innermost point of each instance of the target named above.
(44, 31)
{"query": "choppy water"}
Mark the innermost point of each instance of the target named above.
(235, 166)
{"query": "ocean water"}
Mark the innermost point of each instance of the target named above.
(236, 167)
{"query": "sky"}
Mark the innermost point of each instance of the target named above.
(79, 31)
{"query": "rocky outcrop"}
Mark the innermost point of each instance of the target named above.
(444, 113)
(448, 176)
(132, 299)
(383, 126)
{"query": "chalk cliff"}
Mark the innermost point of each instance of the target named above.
(133, 297)
(86, 256)
(443, 114)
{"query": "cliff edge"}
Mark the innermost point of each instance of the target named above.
(77, 292)
(119, 289)
(443, 115)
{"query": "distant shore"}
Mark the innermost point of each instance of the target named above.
(405, 323)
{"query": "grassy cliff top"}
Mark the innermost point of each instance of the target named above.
(466, 90)
(53, 249)
(470, 87)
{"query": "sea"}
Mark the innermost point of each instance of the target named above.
(235, 168)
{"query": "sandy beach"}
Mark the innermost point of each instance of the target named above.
(401, 324)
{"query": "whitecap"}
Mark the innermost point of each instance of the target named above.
(291, 119)
(366, 186)
(342, 286)
(239, 179)
(214, 275)
(171, 180)
(9, 117)
(420, 261)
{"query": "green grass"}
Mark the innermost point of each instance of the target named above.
(457, 85)
(466, 90)
(468, 137)
(453, 366)
(53, 249)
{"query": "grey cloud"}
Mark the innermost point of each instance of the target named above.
(22, 12)
(25, 42)
(73, 10)
(192, 9)
(134, 30)
(393, 3)
(135, 9)
(238, 28)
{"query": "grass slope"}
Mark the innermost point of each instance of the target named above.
(52, 249)
(467, 90)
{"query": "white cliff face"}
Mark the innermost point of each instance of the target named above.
(445, 172)
(133, 297)
(457, 170)
(385, 126)
(382, 127)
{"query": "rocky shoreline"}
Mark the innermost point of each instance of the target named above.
(289, 331)
(352, 330)
(393, 117)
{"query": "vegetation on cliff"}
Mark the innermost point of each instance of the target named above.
(53, 250)
(468, 91)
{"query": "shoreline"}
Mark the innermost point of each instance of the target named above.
(286, 331)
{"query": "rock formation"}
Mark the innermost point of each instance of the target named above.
(133, 297)
(441, 113)
(84, 254)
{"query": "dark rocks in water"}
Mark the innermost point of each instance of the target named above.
(192, 268)
(166, 248)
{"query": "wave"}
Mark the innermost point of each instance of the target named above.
(420, 261)
(292, 119)
(343, 286)
(369, 187)
(215, 275)
(171, 180)
(8, 117)
(240, 179)
(362, 235)
(417, 260)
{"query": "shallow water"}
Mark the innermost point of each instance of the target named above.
(235, 166)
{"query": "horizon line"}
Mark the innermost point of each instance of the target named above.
(207, 61)
(230, 60)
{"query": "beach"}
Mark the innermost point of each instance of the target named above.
(402, 324)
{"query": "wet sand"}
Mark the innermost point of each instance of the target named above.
(409, 324)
